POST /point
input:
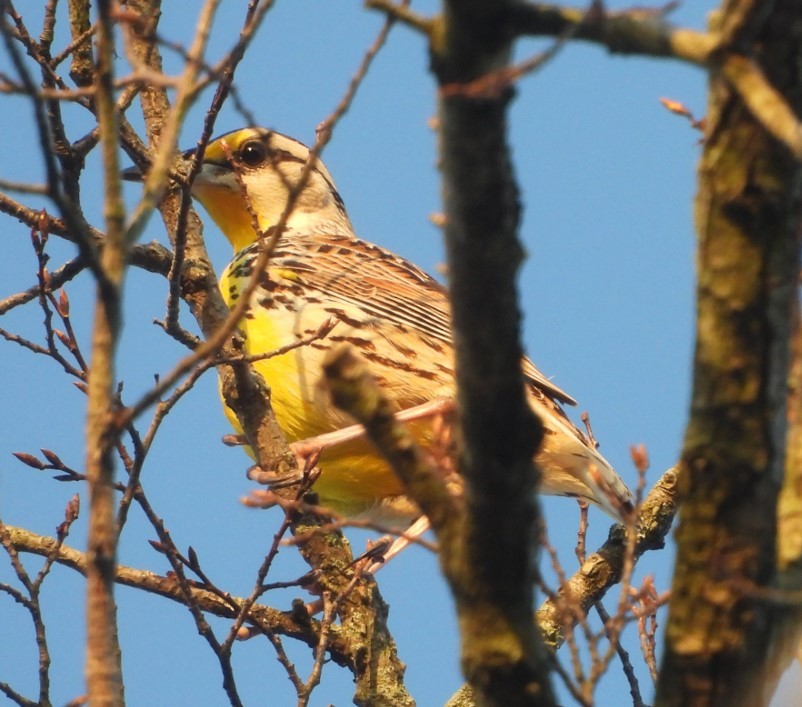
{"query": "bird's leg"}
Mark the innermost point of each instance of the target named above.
(589, 430)
(315, 445)
(307, 451)
(418, 528)
(378, 556)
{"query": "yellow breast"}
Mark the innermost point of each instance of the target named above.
(354, 479)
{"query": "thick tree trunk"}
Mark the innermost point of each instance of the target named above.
(747, 213)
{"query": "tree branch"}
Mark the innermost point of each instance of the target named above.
(303, 628)
(719, 633)
(765, 102)
(602, 569)
(788, 617)
(488, 554)
(103, 658)
(637, 32)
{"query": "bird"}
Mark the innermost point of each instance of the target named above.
(396, 316)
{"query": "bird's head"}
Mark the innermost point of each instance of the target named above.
(252, 171)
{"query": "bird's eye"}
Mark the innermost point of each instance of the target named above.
(253, 153)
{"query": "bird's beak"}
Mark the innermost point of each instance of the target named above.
(132, 174)
(135, 174)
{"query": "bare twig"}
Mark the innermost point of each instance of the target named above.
(637, 31)
(281, 622)
(69, 210)
(603, 568)
(626, 663)
(187, 594)
(152, 257)
(156, 180)
(56, 279)
(401, 13)
(38, 189)
(765, 102)
(33, 588)
(103, 659)
(647, 624)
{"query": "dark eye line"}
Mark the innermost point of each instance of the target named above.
(274, 156)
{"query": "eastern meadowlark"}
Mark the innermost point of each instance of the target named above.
(394, 314)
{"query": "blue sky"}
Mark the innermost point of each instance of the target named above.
(607, 181)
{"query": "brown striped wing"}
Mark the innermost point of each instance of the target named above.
(383, 285)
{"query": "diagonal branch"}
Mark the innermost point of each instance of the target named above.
(602, 570)
(764, 101)
(635, 32)
(281, 622)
